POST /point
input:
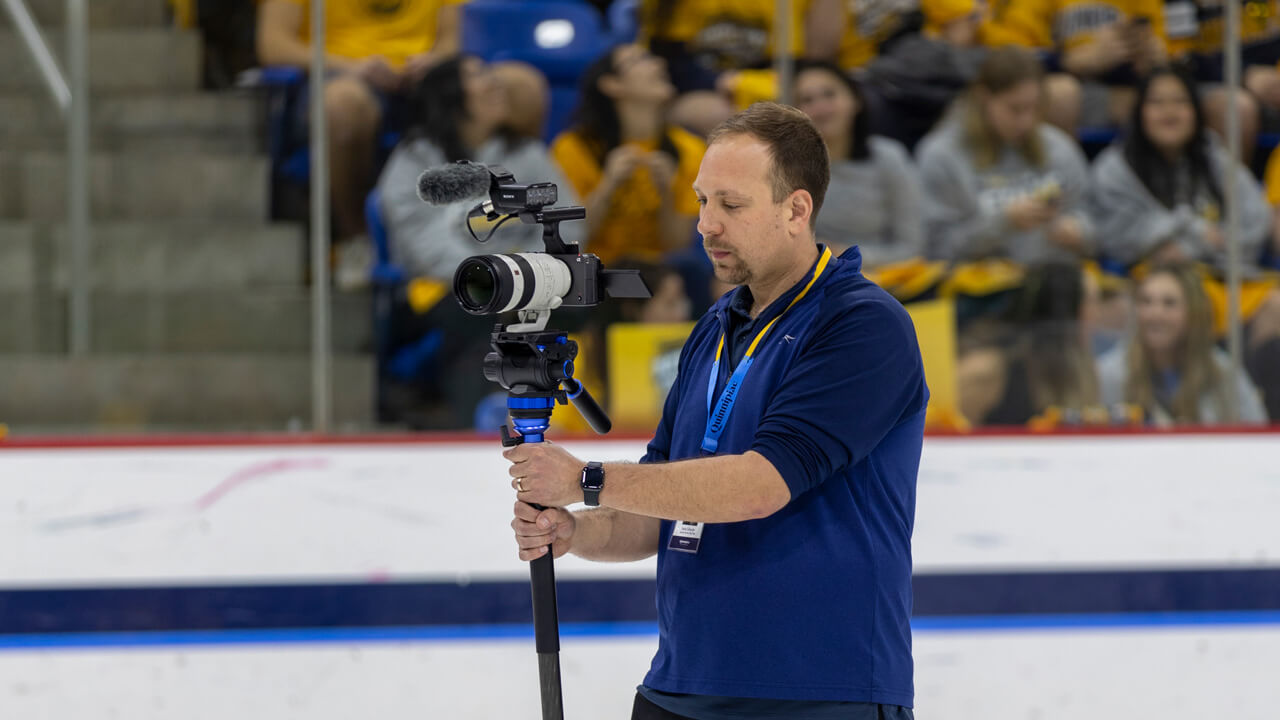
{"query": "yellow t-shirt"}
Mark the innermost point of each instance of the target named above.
(1068, 24)
(633, 226)
(394, 29)
(1194, 31)
(1271, 178)
(738, 32)
(868, 25)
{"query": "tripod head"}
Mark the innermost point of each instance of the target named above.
(536, 370)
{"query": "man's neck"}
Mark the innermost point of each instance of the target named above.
(766, 290)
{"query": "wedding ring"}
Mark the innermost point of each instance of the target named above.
(519, 484)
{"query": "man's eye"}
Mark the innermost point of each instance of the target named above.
(727, 206)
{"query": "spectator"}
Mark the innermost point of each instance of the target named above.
(1107, 44)
(1196, 39)
(875, 192)
(375, 54)
(1271, 180)
(1158, 194)
(634, 171)
(1171, 367)
(998, 181)
(705, 43)
(1049, 365)
(917, 75)
(460, 112)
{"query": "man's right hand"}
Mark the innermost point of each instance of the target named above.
(536, 529)
(376, 71)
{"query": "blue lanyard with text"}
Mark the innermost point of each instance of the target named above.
(717, 420)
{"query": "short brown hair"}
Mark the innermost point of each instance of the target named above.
(797, 152)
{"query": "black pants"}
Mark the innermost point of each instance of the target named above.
(645, 710)
(642, 709)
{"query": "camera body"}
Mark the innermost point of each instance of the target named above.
(535, 283)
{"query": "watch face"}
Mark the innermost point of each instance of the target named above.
(593, 477)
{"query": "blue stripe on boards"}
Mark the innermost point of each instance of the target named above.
(1007, 596)
(485, 633)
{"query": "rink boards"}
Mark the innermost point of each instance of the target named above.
(1055, 576)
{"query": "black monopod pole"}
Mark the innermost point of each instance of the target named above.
(546, 616)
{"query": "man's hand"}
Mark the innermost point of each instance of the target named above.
(545, 474)
(536, 529)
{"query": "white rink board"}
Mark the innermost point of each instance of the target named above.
(432, 511)
(1115, 675)
(170, 516)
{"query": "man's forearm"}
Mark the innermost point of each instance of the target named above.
(725, 488)
(609, 535)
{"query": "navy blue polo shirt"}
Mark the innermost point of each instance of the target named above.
(812, 603)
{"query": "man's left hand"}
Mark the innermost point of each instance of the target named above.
(545, 474)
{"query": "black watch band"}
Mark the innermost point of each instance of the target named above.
(592, 483)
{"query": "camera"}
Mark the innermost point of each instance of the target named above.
(533, 283)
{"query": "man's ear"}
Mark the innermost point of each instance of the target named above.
(799, 207)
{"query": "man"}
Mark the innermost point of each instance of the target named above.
(376, 51)
(784, 589)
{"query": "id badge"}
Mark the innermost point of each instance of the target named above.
(686, 536)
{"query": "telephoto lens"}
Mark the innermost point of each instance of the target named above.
(493, 284)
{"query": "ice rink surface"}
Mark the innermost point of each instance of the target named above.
(1192, 517)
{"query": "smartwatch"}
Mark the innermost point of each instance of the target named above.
(592, 483)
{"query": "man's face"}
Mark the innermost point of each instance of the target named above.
(742, 228)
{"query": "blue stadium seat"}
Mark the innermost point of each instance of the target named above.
(290, 152)
(624, 20)
(388, 280)
(560, 38)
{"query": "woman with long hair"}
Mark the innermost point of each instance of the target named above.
(1171, 368)
(634, 170)
(875, 196)
(999, 181)
(461, 112)
(1158, 194)
(1158, 198)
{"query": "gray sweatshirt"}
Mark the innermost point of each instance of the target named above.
(1132, 223)
(965, 206)
(875, 204)
(431, 241)
(1111, 379)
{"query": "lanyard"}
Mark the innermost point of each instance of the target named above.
(717, 420)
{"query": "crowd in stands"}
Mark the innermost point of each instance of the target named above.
(1089, 280)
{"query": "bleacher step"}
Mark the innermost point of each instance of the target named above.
(228, 122)
(102, 13)
(119, 59)
(156, 255)
(211, 392)
(195, 321)
(151, 186)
